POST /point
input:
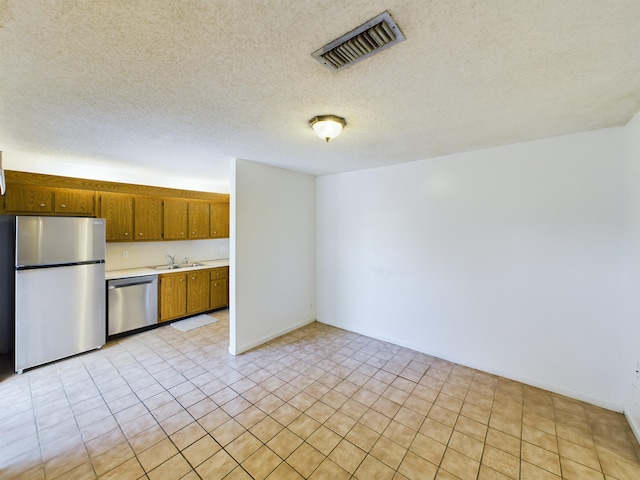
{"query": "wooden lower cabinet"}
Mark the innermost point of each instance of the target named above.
(172, 296)
(219, 287)
(197, 291)
(184, 293)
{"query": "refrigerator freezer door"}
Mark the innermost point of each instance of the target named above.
(59, 240)
(59, 312)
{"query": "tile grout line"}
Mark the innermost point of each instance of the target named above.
(294, 369)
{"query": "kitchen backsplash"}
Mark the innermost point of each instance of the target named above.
(125, 255)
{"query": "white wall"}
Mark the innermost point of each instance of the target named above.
(508, 259)
(145, 254)
(632, 328)
(272, 253)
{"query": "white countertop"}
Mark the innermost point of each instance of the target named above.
(141, 271)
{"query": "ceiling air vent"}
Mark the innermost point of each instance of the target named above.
(374, 36)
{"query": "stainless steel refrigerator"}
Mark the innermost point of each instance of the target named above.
(59, 287)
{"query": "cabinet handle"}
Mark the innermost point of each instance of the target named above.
(126, 234)
(42, 204)
(182, 233)
(181, 279)
(193, 233)
(140, 233)
(63, 206)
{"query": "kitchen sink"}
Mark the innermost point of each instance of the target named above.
(167, 267)
(183, 265)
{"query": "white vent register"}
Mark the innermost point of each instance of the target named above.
(368, 39)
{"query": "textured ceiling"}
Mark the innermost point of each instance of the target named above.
(183, 86)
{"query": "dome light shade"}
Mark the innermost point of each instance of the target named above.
(327, 126)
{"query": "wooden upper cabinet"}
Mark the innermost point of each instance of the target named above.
(176, 219)
(198, 219)
(74, 202)
(49, 201)
(132, 217)
(133, 212)
(219, 220)
(172, 296)
(117, 209)
(19, 199)
(147, 218)
(189, 219)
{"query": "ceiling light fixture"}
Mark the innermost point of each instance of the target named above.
(327, 126)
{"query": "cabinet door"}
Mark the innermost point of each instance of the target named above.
(219, 293)
(219, 287)
(176, 219)
(173, 296)
(219, 272)
(76, 202)
(198, 219)
(148, 218)
(28, 200)
(117, 209)
(198, 291)
(219, 220)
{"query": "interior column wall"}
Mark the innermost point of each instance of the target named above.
(631, 366)
(272, 253)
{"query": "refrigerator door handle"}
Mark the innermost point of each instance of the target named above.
(58, 265)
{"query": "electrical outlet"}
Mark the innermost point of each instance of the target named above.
(125, 253)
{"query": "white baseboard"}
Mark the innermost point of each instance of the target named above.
(244, 348)
(616, 407)
(635, 427)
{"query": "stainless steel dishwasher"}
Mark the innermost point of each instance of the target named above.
(133, 303)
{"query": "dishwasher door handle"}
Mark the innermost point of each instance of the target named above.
(113, 284)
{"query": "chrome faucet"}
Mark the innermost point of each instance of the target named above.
(172, 260)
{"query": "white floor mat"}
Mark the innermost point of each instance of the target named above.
(194, 322)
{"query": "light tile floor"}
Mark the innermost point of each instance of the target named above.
(318, 403)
